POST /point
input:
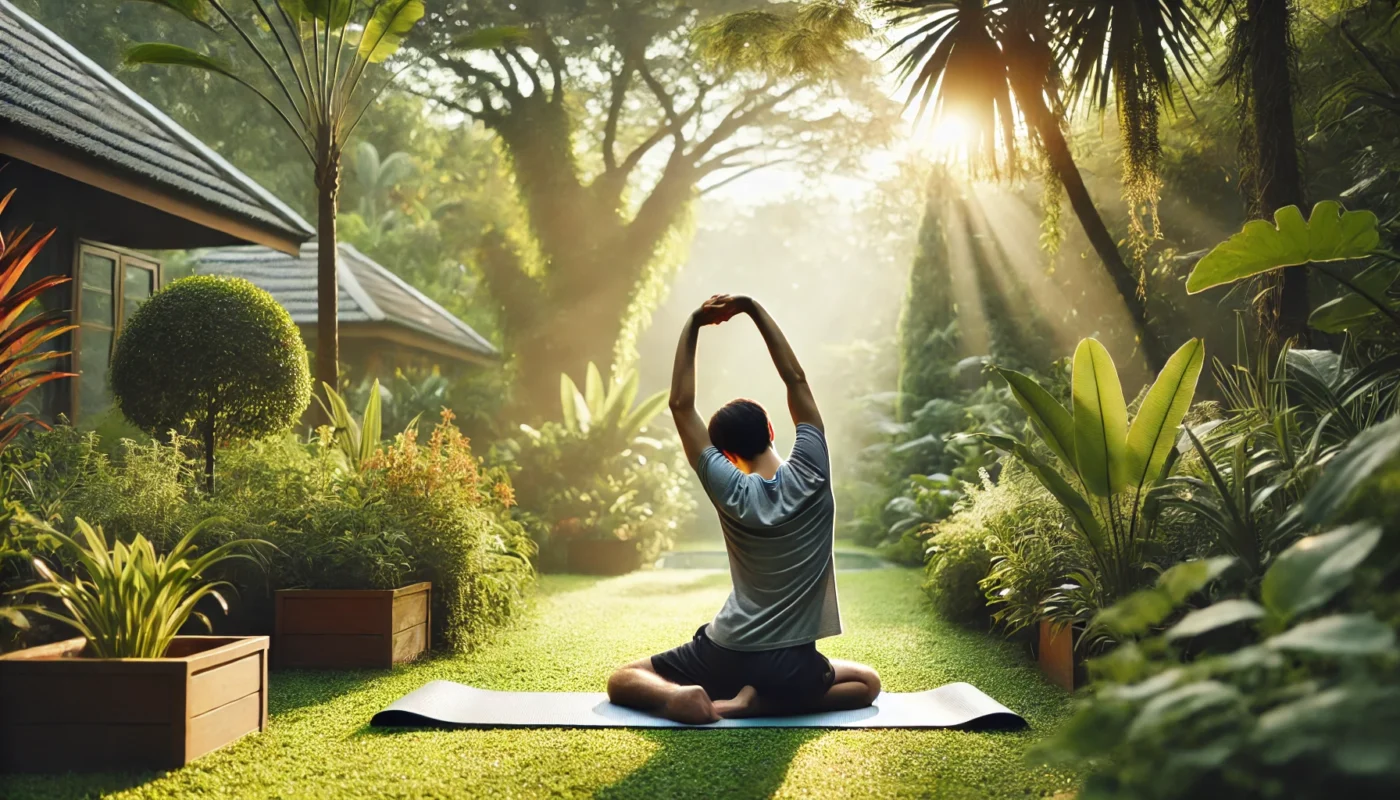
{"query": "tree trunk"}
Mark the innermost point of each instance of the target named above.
(1047, 127)
(1277, 179)
(327, 289)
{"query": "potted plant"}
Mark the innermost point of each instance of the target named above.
(129, 692)
(342, 621)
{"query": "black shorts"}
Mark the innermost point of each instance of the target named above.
(793, 677)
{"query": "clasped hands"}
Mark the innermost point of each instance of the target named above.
(721, 308)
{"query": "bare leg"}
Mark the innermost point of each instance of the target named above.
(637, 685)
(855, 686)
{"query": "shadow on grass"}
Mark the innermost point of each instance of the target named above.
(73, 785)
(727, 763)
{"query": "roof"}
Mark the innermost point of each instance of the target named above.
(369, 293)
(51, 91)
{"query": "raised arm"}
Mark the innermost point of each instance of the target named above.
(801, 403)
(694, 436)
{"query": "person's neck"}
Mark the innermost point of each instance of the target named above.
(766, 464)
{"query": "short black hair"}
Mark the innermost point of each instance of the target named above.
(741, 427)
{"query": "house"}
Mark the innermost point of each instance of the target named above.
(383, 321)
(113, 176)
(117, 178)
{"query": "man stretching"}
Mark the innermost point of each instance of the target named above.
(759, 655)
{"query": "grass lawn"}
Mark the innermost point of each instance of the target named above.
(319, 745)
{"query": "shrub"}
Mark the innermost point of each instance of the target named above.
(216, 355)
(958, 561)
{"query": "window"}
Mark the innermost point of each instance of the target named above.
(111, 285)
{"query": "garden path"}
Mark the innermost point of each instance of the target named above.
(318, 744)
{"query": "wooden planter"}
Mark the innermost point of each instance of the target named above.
(352, 628)
(1056, 654)
(603, 557)
(61, 712)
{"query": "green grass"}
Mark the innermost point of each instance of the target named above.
(319, 745)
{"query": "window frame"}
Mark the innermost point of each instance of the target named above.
(121, 258)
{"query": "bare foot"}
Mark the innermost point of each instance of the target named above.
(743, 704)
(690, 704)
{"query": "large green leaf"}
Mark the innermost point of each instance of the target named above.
(594, 394)
(1100, 420)
(193, 10)
(1363, 456)
(386, 29)
(1189, 577)
(643, 414)
(1154, 429)
(569, 402)
(173, 55)
(1051, 420)
(1314, 569)
(1331, 234)
(1337, 635)
(1214, 617)
(372, 424)
(1351, 309)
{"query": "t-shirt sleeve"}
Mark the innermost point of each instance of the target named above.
(721, 480)
(810, 450)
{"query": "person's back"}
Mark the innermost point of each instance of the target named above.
(779, 536)
(758, 655)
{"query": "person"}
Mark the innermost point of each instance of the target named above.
(758, 656)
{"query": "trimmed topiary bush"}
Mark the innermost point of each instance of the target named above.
(215, 355)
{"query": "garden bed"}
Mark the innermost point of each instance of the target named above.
(64, 712)
(350, 628)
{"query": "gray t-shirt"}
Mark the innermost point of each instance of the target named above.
(779, 535)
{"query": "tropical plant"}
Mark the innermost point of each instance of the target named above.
(23, 340)
(128, 600)
(1331, 234)
(1289, 690)
(1107, 470)
(356, 440)
(606, 415)
(1135, 53)
(982, 60)
(218, 354)
(320, 59)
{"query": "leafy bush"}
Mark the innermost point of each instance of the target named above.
(1290, 690)
(216, 355)
(958, 562)
(597, 475)
(415, 511)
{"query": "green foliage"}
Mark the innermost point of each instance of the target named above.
(411, 512)
(356, 440)
(23, 339)
(597, 474)
(218, 355)
(1287, 690)
(128, 600)
(1107, 471)
(958, 561)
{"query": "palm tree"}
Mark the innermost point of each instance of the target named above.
(1131, 52)
(315, 64)
(982, 58)
(372, 180)
(1260, 67)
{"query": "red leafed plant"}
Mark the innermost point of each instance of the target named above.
(21, 340)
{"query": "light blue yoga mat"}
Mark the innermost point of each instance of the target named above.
(454, 705)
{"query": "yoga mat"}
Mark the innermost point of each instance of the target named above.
(453, 705)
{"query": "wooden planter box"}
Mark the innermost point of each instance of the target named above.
(352, 628)
(1056, 654)
(603, 557)
(61, 712)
